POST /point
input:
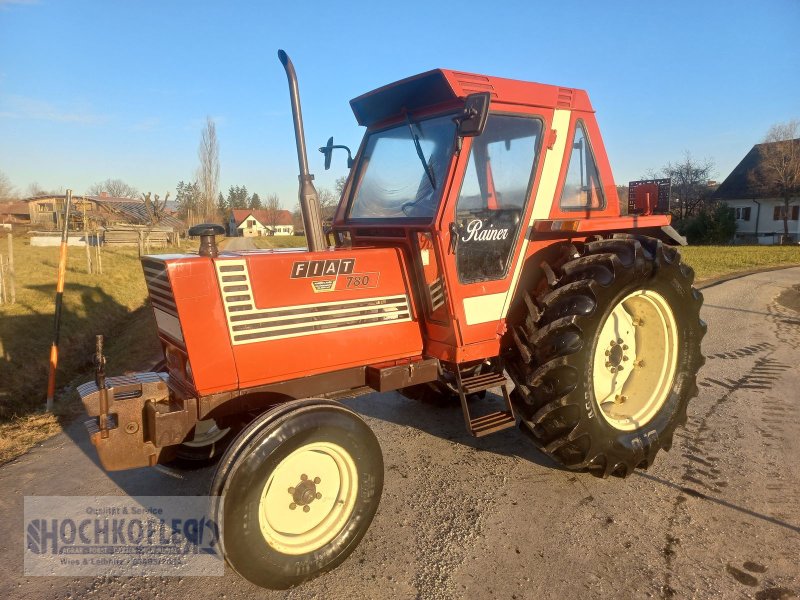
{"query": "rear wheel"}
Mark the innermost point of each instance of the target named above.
(298, 490)
(608, 354)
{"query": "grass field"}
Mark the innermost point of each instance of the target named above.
(114, 304)
(279, 241)
(715, 261)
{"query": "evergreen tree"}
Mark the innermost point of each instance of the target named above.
(188, 201)
(237, 197)
(254, 203)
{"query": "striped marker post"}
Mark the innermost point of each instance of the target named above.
(62, 269)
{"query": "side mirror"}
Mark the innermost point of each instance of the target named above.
(327, 151)
(472, 121)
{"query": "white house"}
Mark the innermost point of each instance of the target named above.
(759, 215)
(255, 223)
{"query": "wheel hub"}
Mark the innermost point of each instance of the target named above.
(304, 493)
(616, 355)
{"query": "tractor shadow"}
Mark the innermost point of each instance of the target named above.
(445, 420)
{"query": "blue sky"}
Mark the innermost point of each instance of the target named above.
(96, 90)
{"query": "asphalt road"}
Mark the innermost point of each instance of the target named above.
(718, 516)
(239, 243)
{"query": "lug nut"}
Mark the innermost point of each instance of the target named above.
(303, 477)
(317, 480)
(608, 352)
(306, 508)
(318, 496)
(292, 506)
(613, 369)
(619, 341)
(624, 358)
(619, 368)
(624, 346)
(291, 490)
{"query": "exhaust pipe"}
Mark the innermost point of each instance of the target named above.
(309, 199)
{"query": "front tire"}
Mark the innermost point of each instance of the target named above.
(608, 355)
(298, 490)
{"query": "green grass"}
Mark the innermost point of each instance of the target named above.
(112, 304)
(714, 261)
(280, 241)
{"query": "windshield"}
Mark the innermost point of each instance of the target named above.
(401, 177)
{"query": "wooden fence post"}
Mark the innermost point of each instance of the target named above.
(88, 250)
(11, 275)
(3, 297)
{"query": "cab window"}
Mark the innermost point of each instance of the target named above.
(582, 188)
(494, 195)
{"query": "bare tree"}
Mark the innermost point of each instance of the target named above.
(208, 171)
(34, 189)
(6, 188)
(272, 208)
(116, 188)
(328, 201)
(689, 182)
(778, 171)
(155, 207)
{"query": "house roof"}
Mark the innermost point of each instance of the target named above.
(14, 212)
(283, 217)
(14, 208)
(130, 210)
(135, 212)
(739, 185)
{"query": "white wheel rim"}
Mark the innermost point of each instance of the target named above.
(635, 360)
(206, 433)
(308, 498)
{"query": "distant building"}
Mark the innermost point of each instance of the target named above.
(46, 211)
(759, 214)
(14, 213)
(256, 223)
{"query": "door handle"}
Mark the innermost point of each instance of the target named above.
(454, 233)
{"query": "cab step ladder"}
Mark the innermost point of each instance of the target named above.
(486, 424)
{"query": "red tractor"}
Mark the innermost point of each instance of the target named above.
(478, 240)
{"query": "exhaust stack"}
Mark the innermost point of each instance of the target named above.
(309, 199)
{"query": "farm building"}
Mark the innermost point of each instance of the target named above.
(255, 223)
(14, 213)
(759, 213)
(120, 220)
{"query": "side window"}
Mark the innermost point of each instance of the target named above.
(582, 188)
(494, 194)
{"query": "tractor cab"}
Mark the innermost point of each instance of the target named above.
(448, 170)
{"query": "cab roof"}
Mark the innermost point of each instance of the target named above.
(442, 87)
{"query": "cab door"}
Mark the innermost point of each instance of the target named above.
(485, 220)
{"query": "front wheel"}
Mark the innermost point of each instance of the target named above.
(608, 355)
(297, 491)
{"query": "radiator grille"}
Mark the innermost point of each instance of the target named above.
(437, 294)
(248, 324)
(161, 297)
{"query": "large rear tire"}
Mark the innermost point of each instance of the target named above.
(607, 357)
(297, 491)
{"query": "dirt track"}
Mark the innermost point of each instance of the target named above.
(718, 516)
